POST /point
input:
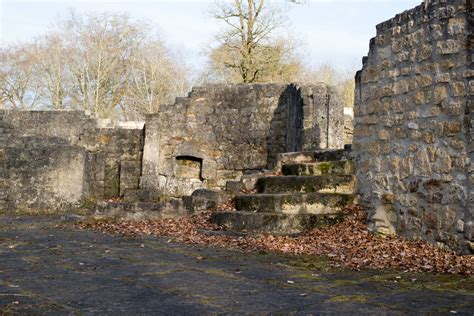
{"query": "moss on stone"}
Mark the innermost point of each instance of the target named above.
(325, 167)
(349, 298)
(308, 262)
(425, 281)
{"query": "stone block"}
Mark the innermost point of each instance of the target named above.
(234, 186)
(129, 175)
(424, 81)
(273, 222)
(469, 230)
(448, 47)
(458, 89)
(205, 200)
(440, 93)
(308, 184)
(112, 179)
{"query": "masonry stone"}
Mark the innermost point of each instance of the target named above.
(428, 56)
(412, 144)
(62, 159)
(218, 131)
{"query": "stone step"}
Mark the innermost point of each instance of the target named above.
(247, 181)
(310, 203)
(204, 200)
(342, 167)
(307, 184)
(170, 208)
(314, 156)
(133, 195)
(276, 223)
(234, 186)
(250, 178)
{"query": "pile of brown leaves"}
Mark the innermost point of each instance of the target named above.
(228, 206)
(253, 191)
(348, 243)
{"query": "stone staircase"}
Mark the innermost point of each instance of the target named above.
(311, 192)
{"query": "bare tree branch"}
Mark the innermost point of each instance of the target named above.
(249, 50)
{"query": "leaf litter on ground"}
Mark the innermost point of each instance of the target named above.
(347, 244)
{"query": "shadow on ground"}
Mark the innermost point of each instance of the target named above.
(51, 269)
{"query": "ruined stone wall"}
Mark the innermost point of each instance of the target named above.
(412, 140)
(56, 159)
(114, 160)
(221, 130)
(319, 111)
(61, 158)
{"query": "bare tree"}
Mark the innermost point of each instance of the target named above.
(103, 45)
(106, 64)
(154, 78)
(247, 48)
(275, 63)
(53, 59)
(18, 69)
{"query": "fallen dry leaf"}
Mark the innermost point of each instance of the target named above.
(347, 244)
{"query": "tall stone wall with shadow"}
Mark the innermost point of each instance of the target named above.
(413, 136)
(221, 130)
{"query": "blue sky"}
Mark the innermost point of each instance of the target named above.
(332, 31)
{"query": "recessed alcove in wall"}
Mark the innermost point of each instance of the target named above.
(189, 167)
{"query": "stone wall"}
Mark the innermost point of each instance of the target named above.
(57, 159)
(469, 123)
(348, 125)
(413, 145)
(221, 130)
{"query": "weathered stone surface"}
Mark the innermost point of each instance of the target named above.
(312, 203)
(319, 168)
(201, 141)
(423, 166)
(205, 200)
(290, 204)
(314, 156)
(226, 129)
(136, 195)
(348, 129)
(327, 183)
(249, 179)
(46, 176)
(276, 223)
(59, 159)
(234, 186)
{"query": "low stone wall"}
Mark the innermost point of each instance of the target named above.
(413, 125)
(58, 159)
(114, 160)
(43, 176)
(221, 130)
